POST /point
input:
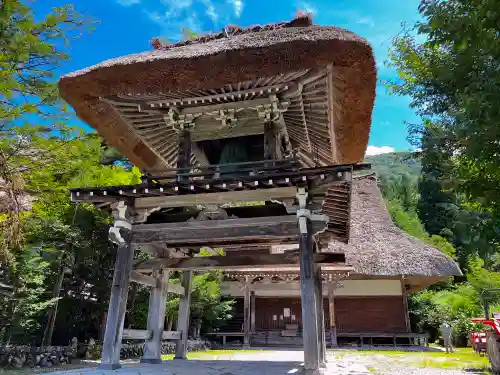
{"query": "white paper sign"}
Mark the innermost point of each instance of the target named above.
(286, 312)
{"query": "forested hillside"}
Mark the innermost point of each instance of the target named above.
(420, 205)
(395, 164)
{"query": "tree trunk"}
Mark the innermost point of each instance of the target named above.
(170, 322)
(49, 329)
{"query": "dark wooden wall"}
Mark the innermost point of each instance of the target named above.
(352, 314)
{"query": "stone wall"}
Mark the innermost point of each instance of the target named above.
(52, 356)
(25, 356)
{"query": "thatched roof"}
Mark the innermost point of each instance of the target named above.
(377, 247)
(325, 76)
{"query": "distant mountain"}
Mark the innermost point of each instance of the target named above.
(395, 164)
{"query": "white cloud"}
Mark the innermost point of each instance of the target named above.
(127, 3)
(366, 21)
(374, 150)
(173, 21)
(237, 5)
(200, 16)
(210, 11)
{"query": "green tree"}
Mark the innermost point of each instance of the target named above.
(31, 49)
(453, 78)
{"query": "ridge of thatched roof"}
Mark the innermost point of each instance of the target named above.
(103, 95)
(376, 246)
(301, 20)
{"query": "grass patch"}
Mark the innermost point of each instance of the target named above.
(461, 359)
(210, 354)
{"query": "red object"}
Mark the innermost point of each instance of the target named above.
(493, 323)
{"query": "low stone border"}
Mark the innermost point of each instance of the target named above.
(24, 356)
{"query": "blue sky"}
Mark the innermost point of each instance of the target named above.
(126, 26)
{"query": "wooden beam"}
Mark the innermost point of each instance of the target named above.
(246, 316)
(331, 310)
(252, 312)
(321, 316)
(110, 357)
(156, 317)
(136, 334)
(332, 112)
(150, 281)
(217, 198)
(184, 157)
(171, 335)
(405, 305)
(310, 332)
(176, 289)
(144, 334)
(183, 316)
(238, 260)
(209, 232)
(143, 279)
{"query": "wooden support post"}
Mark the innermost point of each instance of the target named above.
(277, 144)
(331, 310)
(184, 158)
(184, 316)
(269, 141)
(156, 317)
(404, 296)
(120, 234)
(307, 290)
(321, 317)
(252, 312)
(246, 315)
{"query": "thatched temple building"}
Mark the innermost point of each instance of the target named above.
(248, 139)
(369, 304)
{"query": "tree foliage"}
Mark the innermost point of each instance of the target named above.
(456, 301)
(453, 79)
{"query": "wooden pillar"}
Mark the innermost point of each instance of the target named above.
(310, 331)
(331, 310)
(184, 157)
(405, 306)
(184, 316)
(270, 150)
(252, 312)
(276, 140)
(246, 315)
(156, 317)
(121, 234)
(321, 317)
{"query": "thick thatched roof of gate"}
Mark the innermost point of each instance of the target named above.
(258, 56)
(377, 247)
